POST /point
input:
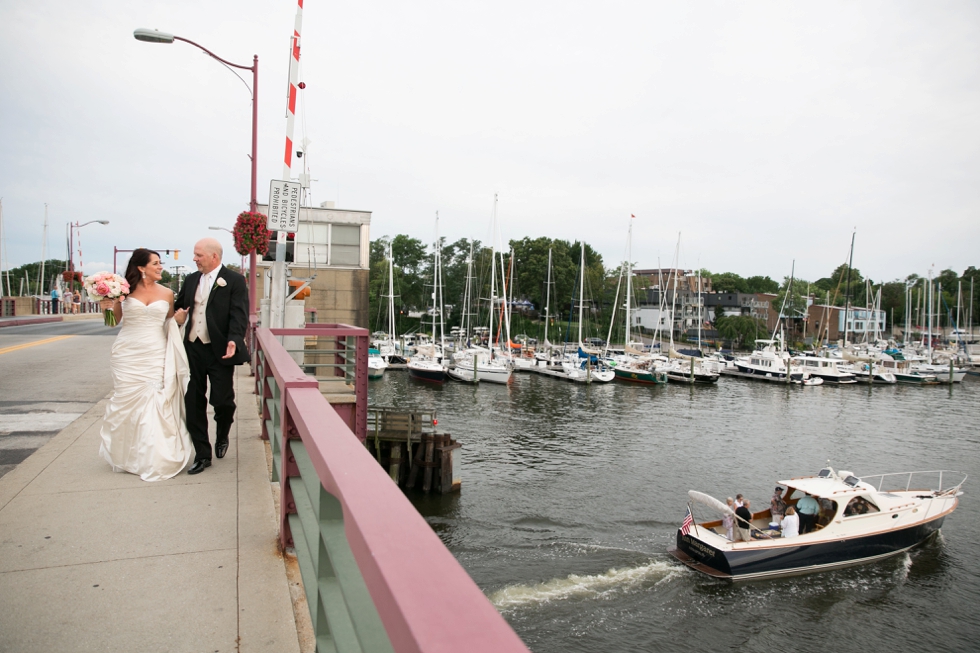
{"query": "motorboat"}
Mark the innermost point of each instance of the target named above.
(861, 520)
(767, 363)
(828, 369)
(376, 364)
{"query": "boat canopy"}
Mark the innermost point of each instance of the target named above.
(710, 501)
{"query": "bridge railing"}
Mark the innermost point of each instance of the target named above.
(377, 578)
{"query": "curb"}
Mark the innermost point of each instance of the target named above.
(23, 321)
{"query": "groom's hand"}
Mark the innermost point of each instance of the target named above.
(230, 351)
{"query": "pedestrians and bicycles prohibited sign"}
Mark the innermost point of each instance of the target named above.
(284, 197)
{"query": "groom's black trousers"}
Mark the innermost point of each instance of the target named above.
(205, 366)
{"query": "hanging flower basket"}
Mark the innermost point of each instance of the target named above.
(69, 276)
(251, 234)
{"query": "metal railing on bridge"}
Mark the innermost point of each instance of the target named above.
(377, 578)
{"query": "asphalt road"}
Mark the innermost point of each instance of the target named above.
(50, 374)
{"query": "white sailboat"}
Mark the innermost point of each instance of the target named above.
(585, 365)
(426, 363)
(474, 363)
(385, 343)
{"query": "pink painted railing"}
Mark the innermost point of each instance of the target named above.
(376, 576)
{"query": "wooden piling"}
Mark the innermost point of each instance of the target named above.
(428, 442)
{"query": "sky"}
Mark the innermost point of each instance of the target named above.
(757, 134)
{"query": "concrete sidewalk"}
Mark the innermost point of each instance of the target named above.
(92, 560)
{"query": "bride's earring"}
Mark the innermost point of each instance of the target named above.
(144, 274)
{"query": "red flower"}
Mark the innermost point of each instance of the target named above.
(251, 233)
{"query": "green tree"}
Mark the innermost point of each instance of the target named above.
(728, 282)
(759, 284)
(28, 273)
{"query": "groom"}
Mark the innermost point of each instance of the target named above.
(214, 303)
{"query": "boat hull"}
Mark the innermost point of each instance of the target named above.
(751, 563)
(749, 372)
(482, 374)
(687, 378)
(640, 376)
(427, 375)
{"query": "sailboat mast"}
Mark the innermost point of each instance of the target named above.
(581, 294)
(847, 288)
(493, 271)
(547, 301)
(789, 289)
(5, 260)
(468, 298)
(508, 303)
(391, 294)
(442, 326)
(929, 318)
(700, 316)
(44, 243)
(612, 318)
(629, 284)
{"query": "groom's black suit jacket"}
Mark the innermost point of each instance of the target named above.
(226, 313)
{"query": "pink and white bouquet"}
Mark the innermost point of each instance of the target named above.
(106, 285)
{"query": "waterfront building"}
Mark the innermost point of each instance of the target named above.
(335, 245)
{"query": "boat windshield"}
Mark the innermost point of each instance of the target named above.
(860, 506)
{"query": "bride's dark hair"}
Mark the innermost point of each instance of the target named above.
(139, 259)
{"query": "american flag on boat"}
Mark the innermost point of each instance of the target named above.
(688, 522)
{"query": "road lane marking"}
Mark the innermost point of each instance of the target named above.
(41, 422)
(32, 344)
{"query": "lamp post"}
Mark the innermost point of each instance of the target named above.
(71, 245)
(154, 36)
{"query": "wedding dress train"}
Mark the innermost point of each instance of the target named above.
(144, 431)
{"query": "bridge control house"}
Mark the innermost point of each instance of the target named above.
(333, 244)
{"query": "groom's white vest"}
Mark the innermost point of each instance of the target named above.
(200, 320)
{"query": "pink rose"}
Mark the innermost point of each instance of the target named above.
(102, 288)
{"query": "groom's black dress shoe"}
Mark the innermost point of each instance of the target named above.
(199, 466)
(220, 448)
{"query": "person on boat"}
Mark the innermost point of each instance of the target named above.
(827, 511)
(728, 521)
(743, 522)
(739, 500)
(790, 525)
(777, 506)
(809, 510)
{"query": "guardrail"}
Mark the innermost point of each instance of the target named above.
(377, 578)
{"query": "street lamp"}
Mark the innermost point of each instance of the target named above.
(154, 36)
(71, 244)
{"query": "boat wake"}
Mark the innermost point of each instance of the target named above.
(576, 586)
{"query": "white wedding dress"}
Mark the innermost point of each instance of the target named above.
(144, 431)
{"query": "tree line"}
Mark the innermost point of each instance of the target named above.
(526, 279)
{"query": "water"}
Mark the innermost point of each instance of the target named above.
(572, 494)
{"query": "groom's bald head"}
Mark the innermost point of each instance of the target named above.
(207, 254)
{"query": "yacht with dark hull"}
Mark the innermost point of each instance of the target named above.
(861, 520)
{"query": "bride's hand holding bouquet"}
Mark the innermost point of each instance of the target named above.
(105, 288)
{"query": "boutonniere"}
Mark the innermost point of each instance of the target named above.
(221, 282)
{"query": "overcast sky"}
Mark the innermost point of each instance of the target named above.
(762, 131)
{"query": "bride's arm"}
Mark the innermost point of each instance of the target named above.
(170, 311)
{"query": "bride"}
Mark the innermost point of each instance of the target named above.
(143, 431)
